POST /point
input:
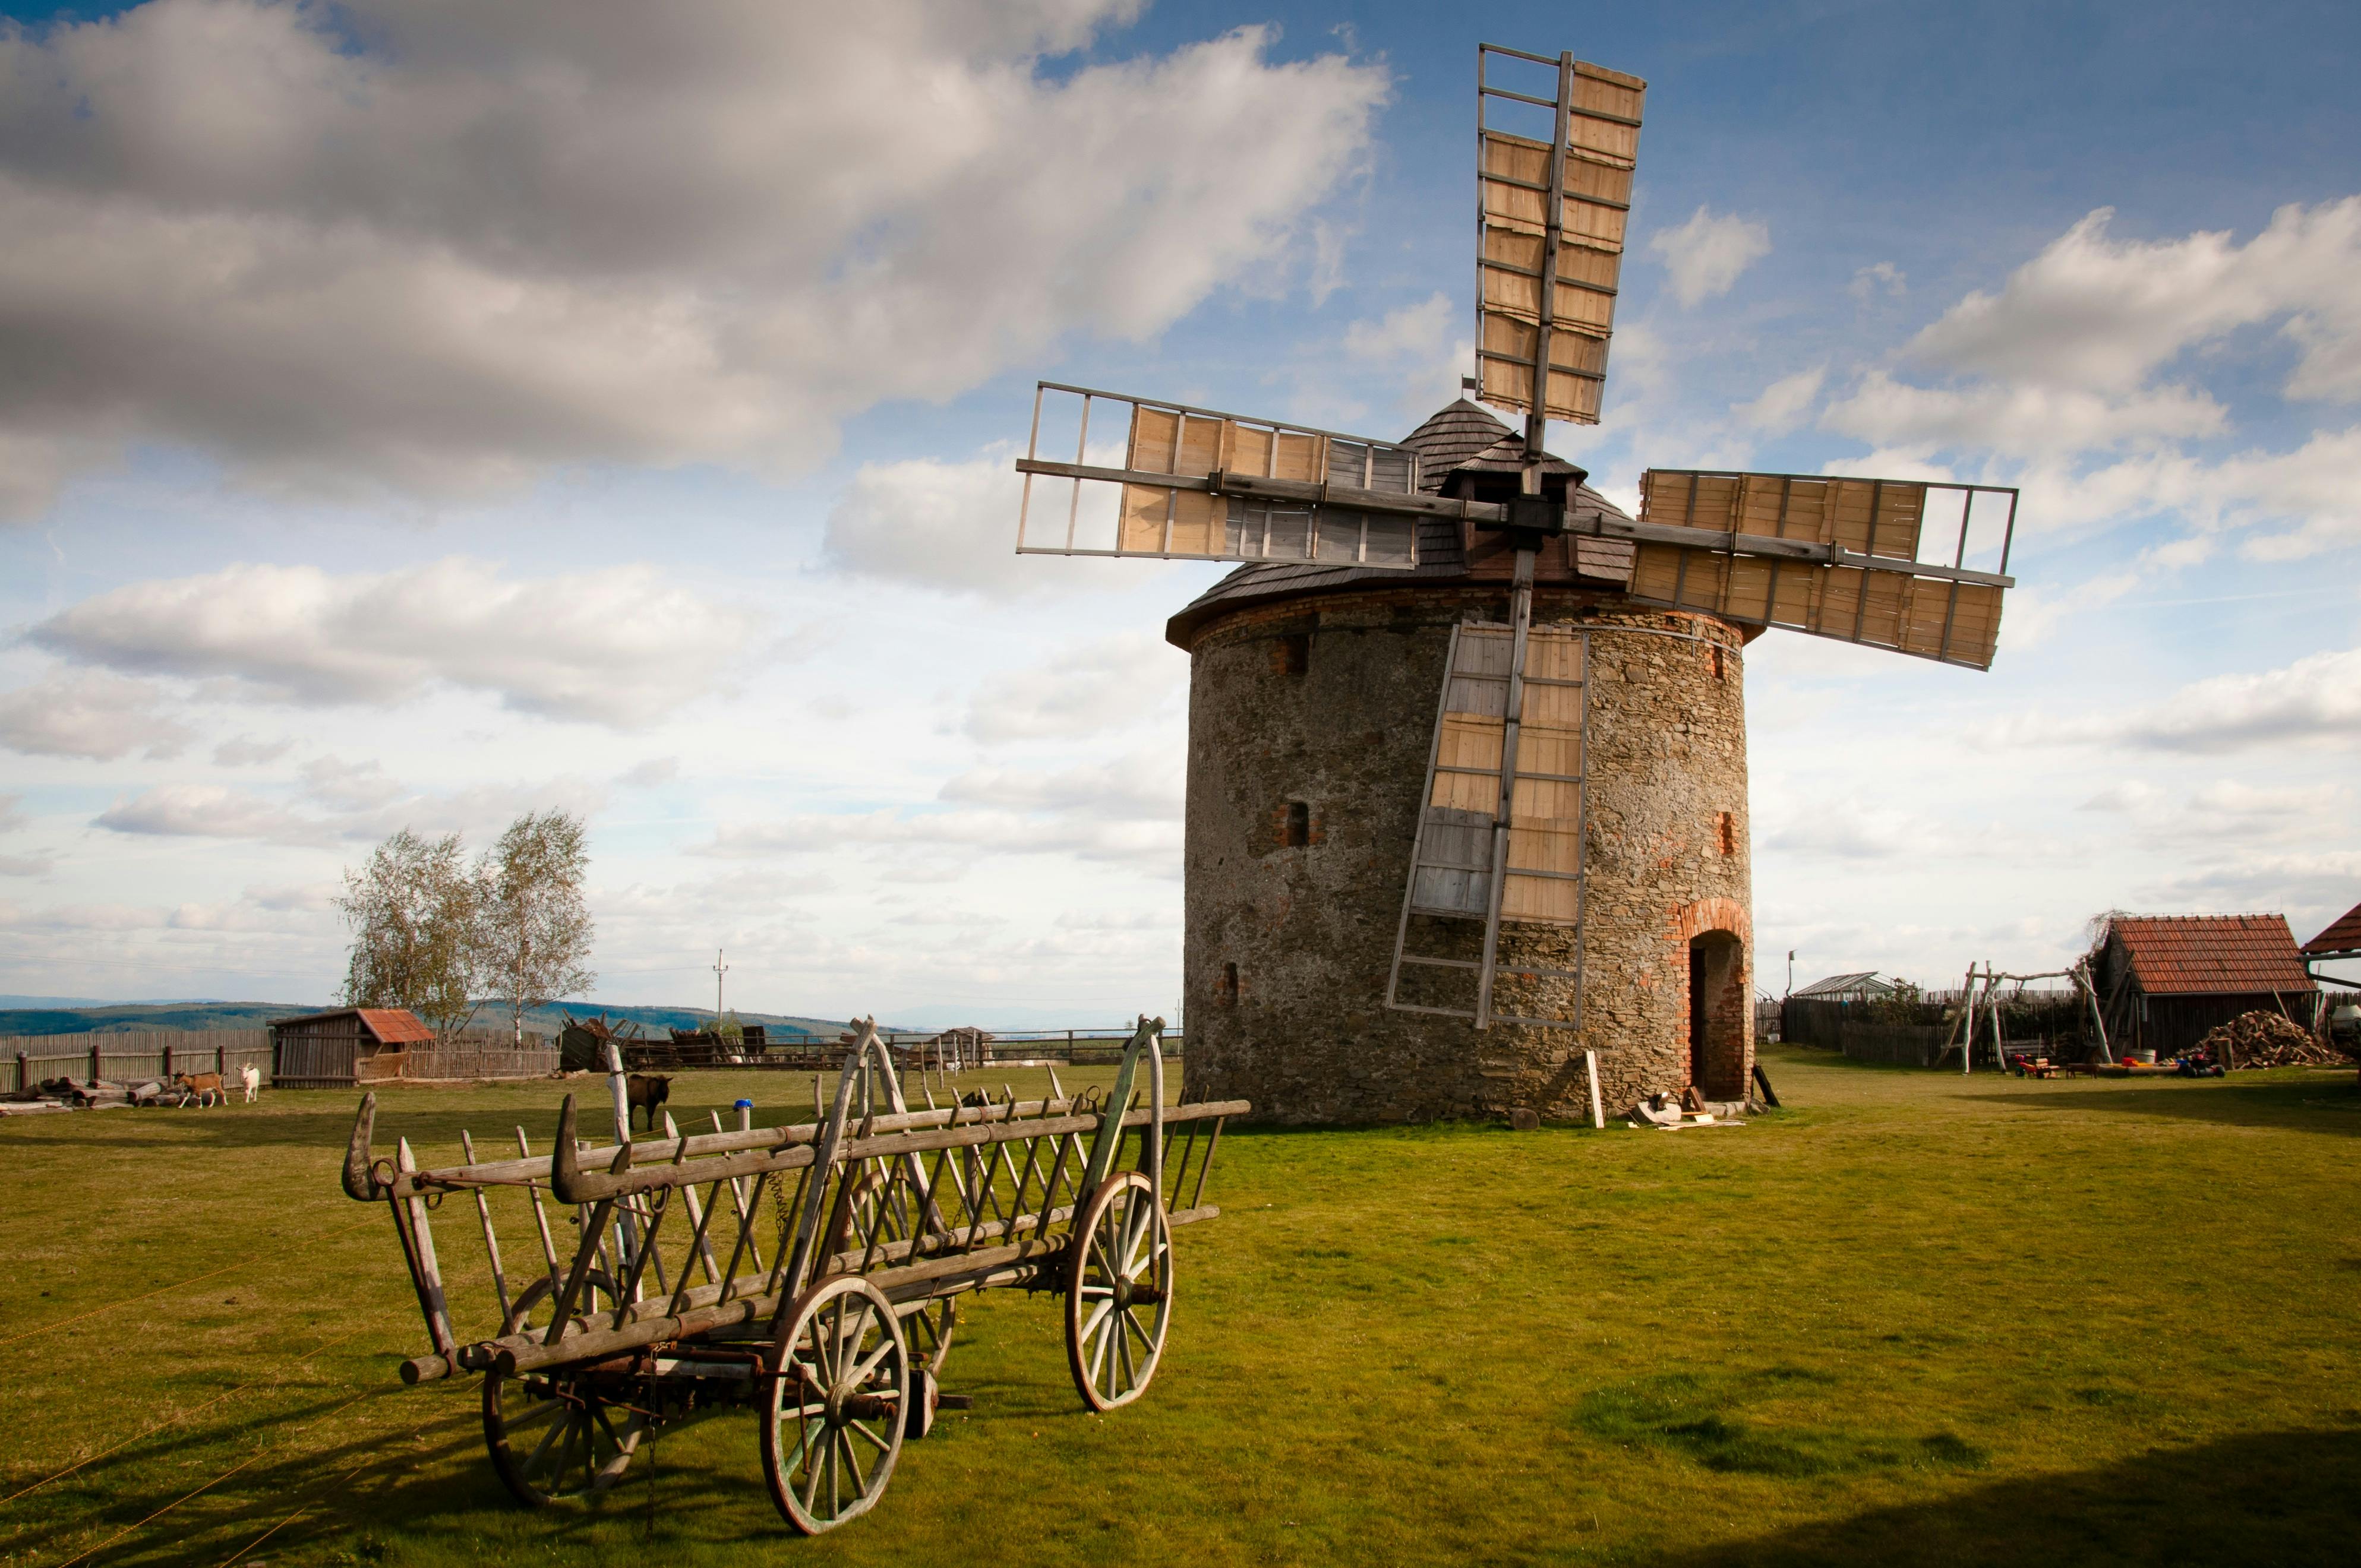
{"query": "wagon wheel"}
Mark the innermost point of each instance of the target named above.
(833, 1416)
(1118, 1292)
(557, 1438)
(929, 1332)
(539, 1291)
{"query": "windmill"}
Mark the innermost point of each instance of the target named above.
(1497, 843)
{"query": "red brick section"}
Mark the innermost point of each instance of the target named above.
(2343, 935)
(2186, 955)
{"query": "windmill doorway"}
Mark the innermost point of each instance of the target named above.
(1717, 1015)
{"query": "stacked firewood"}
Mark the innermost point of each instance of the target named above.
(2265, 1040)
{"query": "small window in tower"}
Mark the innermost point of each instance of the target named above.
(1298, 824)
(1295, 655)
(1718, 674)
(1228, 995)
(1728, 834)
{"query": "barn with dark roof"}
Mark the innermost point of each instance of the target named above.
(1312, 708)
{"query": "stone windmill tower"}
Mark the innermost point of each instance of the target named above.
(1467, 797)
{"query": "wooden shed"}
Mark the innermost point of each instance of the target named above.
(339, 1049)
(2167, 979)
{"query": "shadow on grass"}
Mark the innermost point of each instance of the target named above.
(2276, 1497)
(2315, 1103)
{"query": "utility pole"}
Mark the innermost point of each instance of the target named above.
(719, 969)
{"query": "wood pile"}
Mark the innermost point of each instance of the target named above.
(2265, 1040)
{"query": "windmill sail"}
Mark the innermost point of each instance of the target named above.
(1835, 557)
(1171, 482)
(1552, 219)
(1499, 833)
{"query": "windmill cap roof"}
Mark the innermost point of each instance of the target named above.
(1461, 437)
(1466, 435)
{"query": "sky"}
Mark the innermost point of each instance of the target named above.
(412, 416)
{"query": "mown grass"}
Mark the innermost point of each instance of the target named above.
(1910, 1320)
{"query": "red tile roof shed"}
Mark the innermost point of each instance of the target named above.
(391, 1025)
(2343, 935)
(2211, 954)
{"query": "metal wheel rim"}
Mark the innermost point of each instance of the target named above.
(539, 1291)
(1125, 1240)
(556, 1439)
(826, 1458)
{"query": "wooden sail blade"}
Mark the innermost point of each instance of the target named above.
(1831, 556)
(1171, 482)
(1553, 218)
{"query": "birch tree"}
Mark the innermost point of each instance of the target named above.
(534, 929)
(414, 910)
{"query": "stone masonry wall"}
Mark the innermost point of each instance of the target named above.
(1310, 927)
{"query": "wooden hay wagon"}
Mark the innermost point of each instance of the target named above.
(808, 1272)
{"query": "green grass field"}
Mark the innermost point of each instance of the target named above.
(1912, 1319)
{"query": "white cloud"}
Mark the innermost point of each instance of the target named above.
(349, 786)
(211, 811)
(649, 774)
(241, 751)
(89, 714)
(941, 844)
(947, 526)
(1087, 690)
(1882, 277)
(357, 802)
(2315, 699)
(12, 813)
(1143, 786)
(1418, 350)
(443, 249)
(602, 646)
(1782, 404)
(2097, 313)
(2017, 416)
(1707, 253)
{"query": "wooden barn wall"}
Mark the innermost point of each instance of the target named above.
(2171, 1024)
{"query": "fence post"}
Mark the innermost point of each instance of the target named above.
(220, 1061)
(94, 1064)
(167, 1061)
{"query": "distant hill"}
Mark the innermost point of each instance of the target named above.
(125, 1016)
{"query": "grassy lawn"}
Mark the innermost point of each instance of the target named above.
(1910, 1318)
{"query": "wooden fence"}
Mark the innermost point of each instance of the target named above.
(1912, 1044)
(2053, 1023)
(127, 1056)
(467, 1059)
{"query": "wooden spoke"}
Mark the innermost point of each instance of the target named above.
(929, 1329)
(855, 1371)
(1118, 1289)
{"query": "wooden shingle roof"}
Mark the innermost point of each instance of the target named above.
(2196, 954)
